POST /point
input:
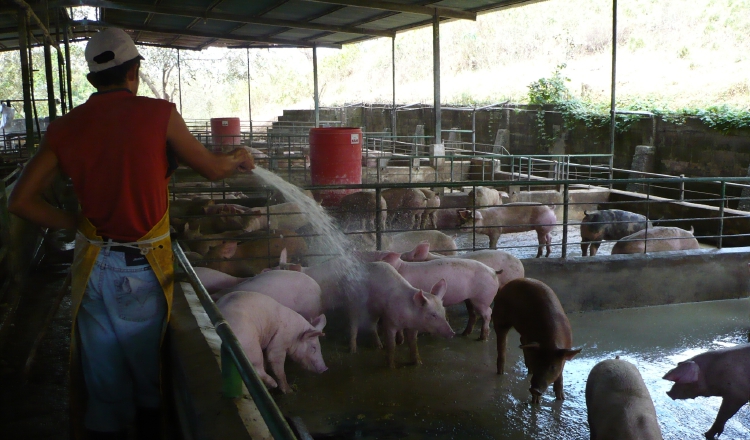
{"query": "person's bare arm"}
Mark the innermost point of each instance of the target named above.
(213, 166)
(27, 200)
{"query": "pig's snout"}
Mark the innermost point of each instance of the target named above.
(536, 395)
(322, 369)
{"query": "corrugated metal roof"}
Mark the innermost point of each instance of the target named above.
(196, 24)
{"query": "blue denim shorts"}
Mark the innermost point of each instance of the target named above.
(120, 324)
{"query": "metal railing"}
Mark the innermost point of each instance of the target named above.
(236, 369)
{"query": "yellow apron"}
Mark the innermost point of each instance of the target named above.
(157, 248)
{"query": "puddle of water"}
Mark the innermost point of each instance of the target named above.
(456, 394)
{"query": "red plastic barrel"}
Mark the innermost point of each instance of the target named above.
(335, 159)
(225, 131)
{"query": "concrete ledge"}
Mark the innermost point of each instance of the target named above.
(624, 281)
(196, 377)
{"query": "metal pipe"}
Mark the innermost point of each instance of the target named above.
(566, 200)
(271, 414)
(721, 211)
(60, 75)
(25, 78)
(613, 105)
(474, 134)
(436, 77)
(393, 69)
(315, 86)
(249, 100)
(68, 69)
(179, 78)
(29, 12)
(51, 105)
(378, 214)
(682, 187)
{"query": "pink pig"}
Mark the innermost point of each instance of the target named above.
(292, 289)
(262, 325)
(513, 217)
(386, 297)
(506, 266)
(213, 280)
(723, 373)
(468, 280)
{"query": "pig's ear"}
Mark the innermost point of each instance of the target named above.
(439, 289)
(319, 322)
(464, 214)
(422, 251)
(392, 258)
(311, 334)
(692, 230)
(567, 353)
(228, 249)
(685, 372)
(419, 298)
(534, 345)
(282, 257)
(478, 216)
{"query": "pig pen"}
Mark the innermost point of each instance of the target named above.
(456, 393)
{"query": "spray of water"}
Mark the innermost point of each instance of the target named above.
(328, 240)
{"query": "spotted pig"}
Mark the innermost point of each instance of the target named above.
(609, 224)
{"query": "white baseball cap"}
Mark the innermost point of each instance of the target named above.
(109, 48)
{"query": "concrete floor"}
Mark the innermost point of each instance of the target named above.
(456, 394)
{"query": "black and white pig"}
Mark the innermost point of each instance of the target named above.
(609, 224)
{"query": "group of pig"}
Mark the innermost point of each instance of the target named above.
(633, 232)
(281, 312)
(404, 290)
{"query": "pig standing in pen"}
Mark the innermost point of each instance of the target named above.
(532, 308)
(724, 373)
(268, 332)
(512, 217)
(619, 404)
(386, 296)
(609, 224)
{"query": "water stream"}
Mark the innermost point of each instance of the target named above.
(328, 240)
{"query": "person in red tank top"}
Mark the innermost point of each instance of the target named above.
(119, 151)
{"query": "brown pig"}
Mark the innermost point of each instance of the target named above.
(722, 373)
(532, 308)
(619, 404)
(657, 239)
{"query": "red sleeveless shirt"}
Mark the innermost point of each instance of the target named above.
(114, 149)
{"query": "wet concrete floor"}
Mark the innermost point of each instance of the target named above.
(456, 393)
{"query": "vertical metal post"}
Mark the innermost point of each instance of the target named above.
(393, 71)
(474, 136)
(249, 99)
(315, 86)
(179, 78)
(231, 381)
(682, 187)
(58, 56)
(648, 215)
(474, 219)
(68, 70)
(51, 105)
(25, 78)
(612, 102)
(566, 200)
(378, 214)
(721, 212)
(436, 77)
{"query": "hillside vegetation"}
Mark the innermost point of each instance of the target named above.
(672, 55)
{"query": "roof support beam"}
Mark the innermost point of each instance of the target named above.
(223, 16)
(201, 34)
(400, 7)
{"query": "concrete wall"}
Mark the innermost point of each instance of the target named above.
(691, 148)
(622, 281)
